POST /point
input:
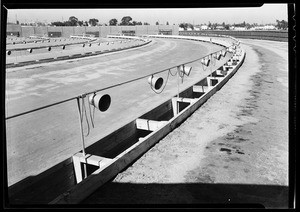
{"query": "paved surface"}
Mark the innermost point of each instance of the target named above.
(233, 150)
(44, 138)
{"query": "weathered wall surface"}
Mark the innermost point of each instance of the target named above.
(281, 35)
(99, 31)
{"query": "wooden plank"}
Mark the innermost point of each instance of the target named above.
(91, 159)
(183, 99)
(158, 110)
(77, 168)
(212, 81)
(146, 124)
(112, 140)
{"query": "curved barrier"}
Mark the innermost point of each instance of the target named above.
(275, 35)
(73, 56)
(133, 139)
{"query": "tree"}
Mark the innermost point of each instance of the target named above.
(156, 23)
(191, 26)
(80, 23)
(145, 23)
(209, 24)
(167, 23)
(126, 21)
(93, 22)
(183, 25)
(58, 23)
(227, 26)
(113, 22)
(282, 24)
(73, 20)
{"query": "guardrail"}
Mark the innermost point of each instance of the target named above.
(70, 56)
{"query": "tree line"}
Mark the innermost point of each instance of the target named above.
(128, 21)
(279, 24)
(73, 21)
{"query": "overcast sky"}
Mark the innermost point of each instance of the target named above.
(268, 13)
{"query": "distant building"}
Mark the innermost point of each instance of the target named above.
(204, 27)
(239, 28)
(266, 27)
(220, 28)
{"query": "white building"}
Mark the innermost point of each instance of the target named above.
(239, 28)
(220, 28)
(266, 27)
(203, 27)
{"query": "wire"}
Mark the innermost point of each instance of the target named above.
(84, 110)
(172, 74)
(203, 67)
(91, 117)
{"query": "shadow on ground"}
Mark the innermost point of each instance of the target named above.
(195, 194)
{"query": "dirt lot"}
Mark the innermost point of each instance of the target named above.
(233, 150)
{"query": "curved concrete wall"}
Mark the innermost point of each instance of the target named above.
(103, 31)
(281, 35)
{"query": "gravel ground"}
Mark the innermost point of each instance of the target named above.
(233, 149)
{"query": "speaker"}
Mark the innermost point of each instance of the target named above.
(155, 82)
(101, 102)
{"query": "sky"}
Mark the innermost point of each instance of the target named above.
(266, 14)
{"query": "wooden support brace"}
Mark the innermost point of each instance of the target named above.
(220, 73)
(89, 159)
(175, 103)
(210, 81)
(200, 88)
(227, 67)
(187, 100)
(175, 106)
(151, 125)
